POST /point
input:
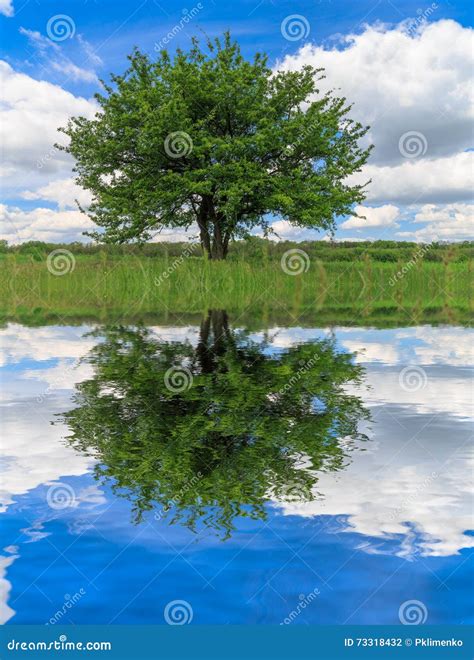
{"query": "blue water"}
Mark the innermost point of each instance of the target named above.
(392, 525)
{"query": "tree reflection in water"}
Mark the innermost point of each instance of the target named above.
(204, 434)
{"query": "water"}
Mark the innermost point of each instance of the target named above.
(303, 475)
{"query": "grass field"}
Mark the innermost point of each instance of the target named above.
(102, 286)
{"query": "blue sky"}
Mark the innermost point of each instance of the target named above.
(406, 66)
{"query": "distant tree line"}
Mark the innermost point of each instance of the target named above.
(261, 250)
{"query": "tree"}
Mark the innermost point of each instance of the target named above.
(213, 139)
(228, 428)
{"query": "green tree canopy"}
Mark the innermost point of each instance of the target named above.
(204, 434)
(208, 137)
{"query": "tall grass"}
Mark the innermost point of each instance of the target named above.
(127, 286)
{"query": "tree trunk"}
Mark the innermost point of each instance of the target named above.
(203, 224)
(218, 242)
(217, 245)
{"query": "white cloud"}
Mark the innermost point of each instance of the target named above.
(422, 481)
(54, 57)
(372, 351)
(380, 216)
(402, 81)
(449, 222)
(45, 343)
(440, 180)
(33, 449)
(74, 72)
(42, 224)
(430, 494)
(89, 51)
(62, 191)
(6, 612)
(175, 234)
(6, 7)
(30, 113)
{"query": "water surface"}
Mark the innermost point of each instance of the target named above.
(311, 475)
